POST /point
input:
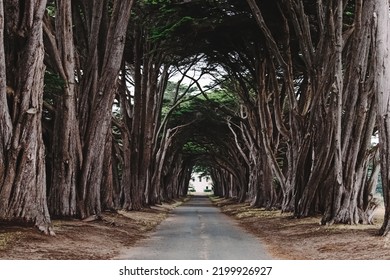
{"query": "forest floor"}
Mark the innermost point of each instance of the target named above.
(283, 236)
(289, 238)
(81, 240)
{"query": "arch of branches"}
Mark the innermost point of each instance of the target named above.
(299, 89)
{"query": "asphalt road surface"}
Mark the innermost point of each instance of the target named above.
(198, 231)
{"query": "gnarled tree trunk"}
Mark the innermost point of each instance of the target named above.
(98, 91)
(382, 90)
(23, 177)
(66, 148)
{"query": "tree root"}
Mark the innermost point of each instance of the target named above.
(92, 218)
(46, 229)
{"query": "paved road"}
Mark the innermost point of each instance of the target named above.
(198, 231)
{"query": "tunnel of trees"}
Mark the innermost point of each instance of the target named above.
(109, 105)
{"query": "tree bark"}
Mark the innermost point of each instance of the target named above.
(5, 118)
(149, 87)
(109, 195)
(320, 119)
(66, 147)
(382, 90)
(23, 185)
(99, 91)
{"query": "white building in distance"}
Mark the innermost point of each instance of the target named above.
(200, 184)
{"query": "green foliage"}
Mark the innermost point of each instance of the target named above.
(160, 19)
(202, 169)
(223, 97)
(54, 84)
(51, 8)
(156, 2)
(349, 14)
(194, 148)
(166, 31)
(171, 89)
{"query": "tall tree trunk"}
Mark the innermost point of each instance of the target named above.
(99, 91)
(23, 183)
(125, 127)
(5, 118)
(149, 87)
(108, 193)
(66, 147)
(382, 89)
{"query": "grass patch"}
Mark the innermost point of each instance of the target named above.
(8, 239)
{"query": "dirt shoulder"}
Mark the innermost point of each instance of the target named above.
(289, 238)
(80, 240)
